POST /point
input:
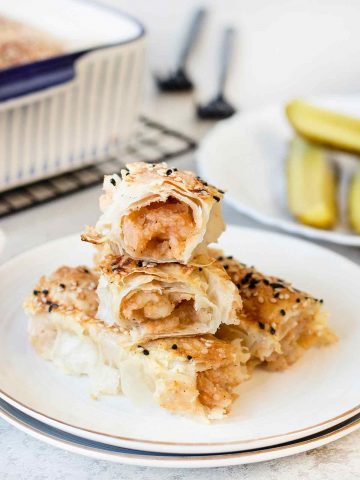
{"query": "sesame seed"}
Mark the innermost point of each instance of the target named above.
(273, 300)
(282, 312)
(174, 347)
(260, 299)
(113, 182)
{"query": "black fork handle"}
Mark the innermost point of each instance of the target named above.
(191, 36)
(226, 51)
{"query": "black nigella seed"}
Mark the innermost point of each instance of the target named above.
(205, 183)
(215, 197)
(221, 191)
(261, 325)
(62, 285)
(272, 330)
(48, 302)
(36, 292)
(146, 352)
(253, 283)
(52, 306)
(266, 282)
(226, 267)
(175, 170)
(321, 300)
(246, 278)
(276, 285)
(45, 292)
(113, 182)
(200, 269)
(220, 258)
(174, 347)
(168, 172)
(298, 300)
(277, 294)
(85, 270)
(283, 313)
(189, 357)
(230, 257)
(140, 263)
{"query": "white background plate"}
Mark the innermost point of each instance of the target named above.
(100, 451)
(319, 391)
(245, 156)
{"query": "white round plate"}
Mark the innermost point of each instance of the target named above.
(318, 392)
(100, 451)
(245, 156)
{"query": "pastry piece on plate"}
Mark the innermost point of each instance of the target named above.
(277, 322)
(185, 375)
(149, 301)
(157, 213)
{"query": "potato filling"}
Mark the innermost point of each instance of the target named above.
(163, 313)
(160, 228)
(174, 308)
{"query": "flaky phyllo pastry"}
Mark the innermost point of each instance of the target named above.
(148, 300)
(190, 375)
(157, 213)
(277, 322)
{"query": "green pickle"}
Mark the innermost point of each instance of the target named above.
(330, 129)
(354, 202)
(311, 184)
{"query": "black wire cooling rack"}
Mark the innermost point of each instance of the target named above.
(152, 142)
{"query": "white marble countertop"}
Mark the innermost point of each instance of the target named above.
(24, 458)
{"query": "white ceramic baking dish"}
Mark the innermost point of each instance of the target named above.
(75, 109)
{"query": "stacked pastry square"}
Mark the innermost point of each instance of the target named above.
(160, 315)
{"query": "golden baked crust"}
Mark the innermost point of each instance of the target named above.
(67, 289)
(20, 43)
(277, 321)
